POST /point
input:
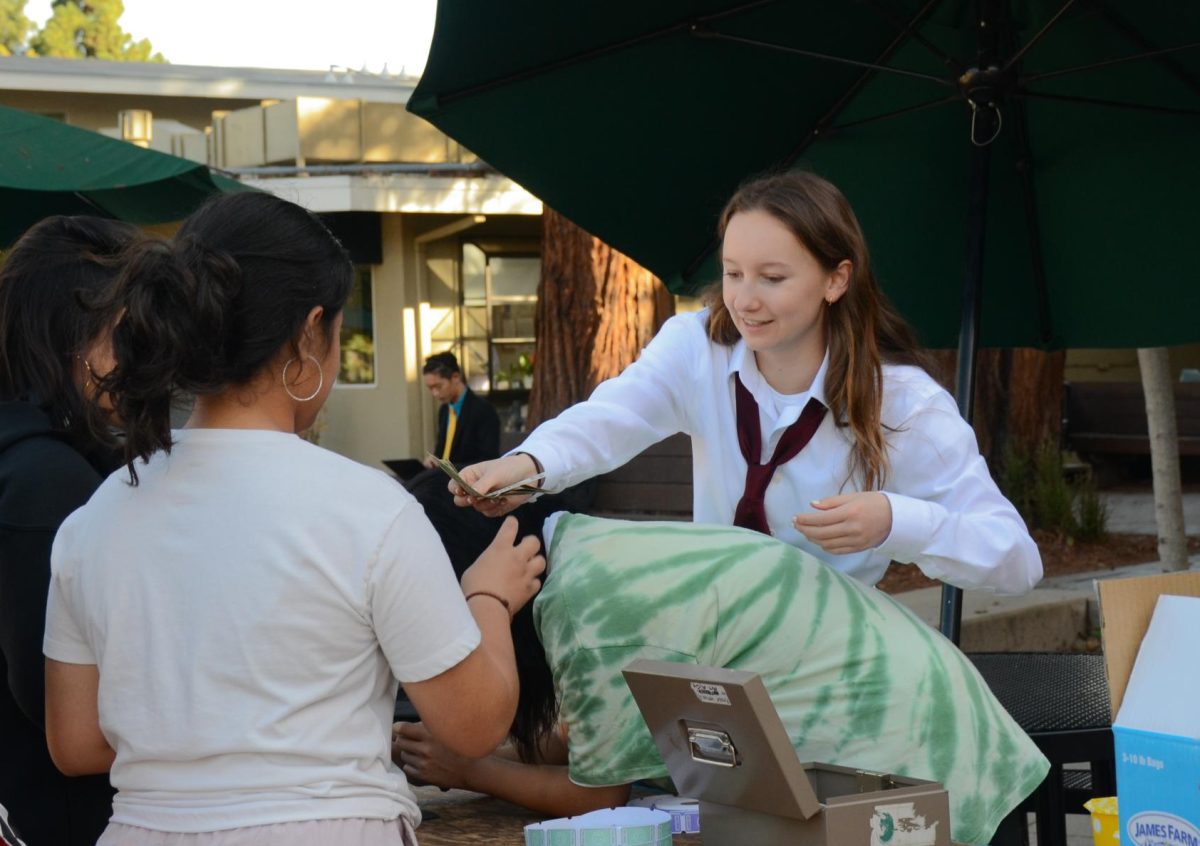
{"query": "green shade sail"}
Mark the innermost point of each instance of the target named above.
(639, 119)
(48, 167)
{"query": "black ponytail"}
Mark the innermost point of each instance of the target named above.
(212, 308)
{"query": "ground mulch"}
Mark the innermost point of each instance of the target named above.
(1060, 557)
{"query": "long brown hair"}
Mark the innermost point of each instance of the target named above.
(862, 329)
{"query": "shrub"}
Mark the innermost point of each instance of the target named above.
(1041, 493)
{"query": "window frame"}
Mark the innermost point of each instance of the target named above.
(369, 269)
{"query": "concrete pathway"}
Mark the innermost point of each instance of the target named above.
(1131, 512)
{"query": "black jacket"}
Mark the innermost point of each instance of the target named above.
(42, 480)
(476, 435)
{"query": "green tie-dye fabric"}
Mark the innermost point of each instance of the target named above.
(857, 678)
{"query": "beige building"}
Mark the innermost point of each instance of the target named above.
(446, 250)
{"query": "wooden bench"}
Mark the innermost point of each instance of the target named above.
(1109, 418)
(654, 485)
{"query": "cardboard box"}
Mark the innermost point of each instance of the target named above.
(724, 744)
(1151, 631)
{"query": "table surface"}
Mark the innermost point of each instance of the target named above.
(460, 818)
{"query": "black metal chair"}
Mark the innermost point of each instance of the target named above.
(1062, 703)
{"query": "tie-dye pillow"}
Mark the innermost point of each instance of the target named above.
(857, 678)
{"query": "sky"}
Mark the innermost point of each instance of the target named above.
(279, 33)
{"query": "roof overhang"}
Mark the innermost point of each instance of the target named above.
(95, 76)
(407, 193)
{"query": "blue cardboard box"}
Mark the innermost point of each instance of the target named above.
(1157, 731)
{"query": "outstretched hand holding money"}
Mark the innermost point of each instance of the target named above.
(496, 487)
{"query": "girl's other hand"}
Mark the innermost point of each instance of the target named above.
(507, 568)
(847, 523)
(492, 475)
(425, 760)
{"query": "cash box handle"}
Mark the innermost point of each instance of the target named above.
(712, 747)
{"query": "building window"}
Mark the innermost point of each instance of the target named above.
(358, 331)
(499, 289)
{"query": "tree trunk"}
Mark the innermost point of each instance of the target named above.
(1018, 398)
(596, 310)
(1159, 390)
(1035, 399)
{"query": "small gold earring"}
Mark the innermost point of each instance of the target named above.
(90, 373)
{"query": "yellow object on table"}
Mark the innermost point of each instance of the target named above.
(1106, 829)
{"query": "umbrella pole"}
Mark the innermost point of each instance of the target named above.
(968, 340)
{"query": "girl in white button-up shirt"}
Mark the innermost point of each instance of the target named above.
(893, 471)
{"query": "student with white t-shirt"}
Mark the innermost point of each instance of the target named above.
(228, 620)
(811, 414)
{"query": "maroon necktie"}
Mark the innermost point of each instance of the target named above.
(751, 513)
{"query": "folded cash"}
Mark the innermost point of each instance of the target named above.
(521, 488)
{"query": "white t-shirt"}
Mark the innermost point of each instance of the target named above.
(250, 605)
(948, 516)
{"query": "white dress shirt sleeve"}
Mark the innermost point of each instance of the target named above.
(948, 516)
(625, 414)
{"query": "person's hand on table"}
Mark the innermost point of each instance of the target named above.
(425, 761)
(492, 475)
(847, 523)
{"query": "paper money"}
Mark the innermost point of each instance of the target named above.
(521, 488)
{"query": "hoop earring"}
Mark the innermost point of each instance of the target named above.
(320, 379)
(91, 376)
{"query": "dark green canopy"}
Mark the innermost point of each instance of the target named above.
(639, 118)
(48, 167)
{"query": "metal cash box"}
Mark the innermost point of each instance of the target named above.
(724, 744)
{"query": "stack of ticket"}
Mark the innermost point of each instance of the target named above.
(685, 813)
(522, 488)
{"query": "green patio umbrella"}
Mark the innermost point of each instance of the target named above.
(1063, 134)
(638, 120)
(48, 167)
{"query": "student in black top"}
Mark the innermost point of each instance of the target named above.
(54, 452)
(465, 419)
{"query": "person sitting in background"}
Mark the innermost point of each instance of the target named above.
(55, 449)
(468, 427)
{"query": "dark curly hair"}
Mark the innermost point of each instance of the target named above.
(54, 284)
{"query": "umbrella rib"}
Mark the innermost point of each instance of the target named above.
(1025, 171)
(1037, 77)
(1040, 34)
(596, 52)
(828, 118)
(825, 57)
(1117, 104)
(1126, 29)
(736, 10)
(953, 98)
(908, 29)
(1033, 229)
(101, 210)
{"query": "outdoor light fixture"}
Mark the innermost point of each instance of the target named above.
(137, 126)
